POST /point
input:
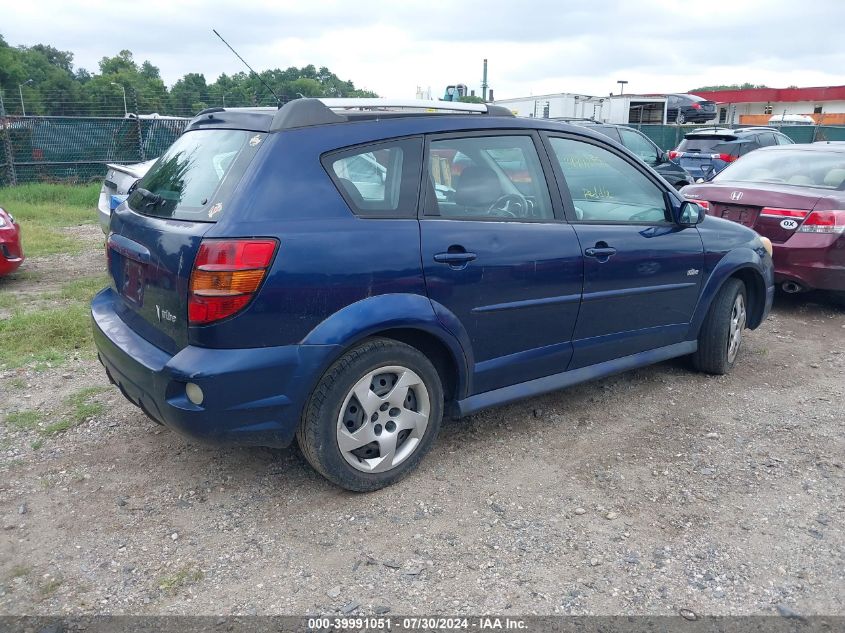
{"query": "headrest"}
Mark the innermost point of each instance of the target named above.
(478, 187)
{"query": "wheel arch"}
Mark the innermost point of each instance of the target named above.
(410, 319)
(734, 265)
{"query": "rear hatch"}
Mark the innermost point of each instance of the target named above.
(774, 212)
(700, 154)
(155, 237)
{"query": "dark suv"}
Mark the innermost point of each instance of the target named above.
(343, 272)
(646, 150)
(706, 152)
(683, 108)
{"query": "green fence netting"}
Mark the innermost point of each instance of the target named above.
(78, 148)
(669, 136)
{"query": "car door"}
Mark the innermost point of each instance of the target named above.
(499, 256)
(642, 272)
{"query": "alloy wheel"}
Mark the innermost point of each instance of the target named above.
(383, 418)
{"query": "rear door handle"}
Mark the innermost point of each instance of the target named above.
(600, 252)
(454, 258)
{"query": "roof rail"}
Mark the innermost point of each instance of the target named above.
(320, 111)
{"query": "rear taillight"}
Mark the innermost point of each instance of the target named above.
(704, 204)
(728, 158)
(824, 222)
(226, 275)
(777, 212)
(696, 106)
(673, 154)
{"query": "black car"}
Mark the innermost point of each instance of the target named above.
(689, 109)
(646, 150)
(706, 152)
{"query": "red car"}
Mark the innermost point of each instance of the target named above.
(795, 196)
(11, 253)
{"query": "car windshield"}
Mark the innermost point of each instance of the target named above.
(183, 183)
(825, 170)
(703, 144)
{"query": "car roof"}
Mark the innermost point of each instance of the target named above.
(308, 112)
(370, 120)
(831, 148)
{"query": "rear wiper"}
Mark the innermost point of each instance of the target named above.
(151, 198)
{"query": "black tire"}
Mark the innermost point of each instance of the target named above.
(318, 431)
(712, 356)
(680, 185)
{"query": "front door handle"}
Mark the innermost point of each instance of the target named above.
(454, 259)
(600, 252)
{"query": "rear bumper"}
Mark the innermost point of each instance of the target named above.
(814, 260)
(253, 397)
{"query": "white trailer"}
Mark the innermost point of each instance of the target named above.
(619, 109)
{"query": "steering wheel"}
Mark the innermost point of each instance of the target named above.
(502, 204)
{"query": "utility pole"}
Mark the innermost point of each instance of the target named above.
(114, 83)
(484, 82)
(621, 83)
(20, 92)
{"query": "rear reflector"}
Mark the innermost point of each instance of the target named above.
(776, 212)
(226, 275)
(824, 222)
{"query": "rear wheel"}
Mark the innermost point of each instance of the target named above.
(681, 118)
(721, 334)
(373, 416)
(680, 185)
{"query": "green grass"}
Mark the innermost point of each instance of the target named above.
(78, 407)
(184, 576)
(82, 289)
(45, 335)
(44, 209)
(23, 419)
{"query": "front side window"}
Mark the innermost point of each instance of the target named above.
(606, 188)
(379, 180)
(498, 177)
(639, 145)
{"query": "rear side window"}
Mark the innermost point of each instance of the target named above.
(187, 182)
(766, 139)
(380, 179)
(608, 131)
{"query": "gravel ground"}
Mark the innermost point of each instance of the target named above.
(645, 493)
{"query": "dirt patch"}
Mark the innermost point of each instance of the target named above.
(644, 493)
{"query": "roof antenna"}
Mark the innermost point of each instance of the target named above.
(260, 78)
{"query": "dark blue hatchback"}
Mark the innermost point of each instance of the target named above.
(343, 272)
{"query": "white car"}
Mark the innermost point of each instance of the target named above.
(116, 187)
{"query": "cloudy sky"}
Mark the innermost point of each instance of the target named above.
(533, 46)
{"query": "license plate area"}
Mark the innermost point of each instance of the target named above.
(133, 282)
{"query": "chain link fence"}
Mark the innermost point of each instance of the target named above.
(76, 149)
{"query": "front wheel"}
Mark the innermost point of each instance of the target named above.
(721, 334)
(373, 416)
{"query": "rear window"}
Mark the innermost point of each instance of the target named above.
(789, 167)
(703, 144)
(187, 182)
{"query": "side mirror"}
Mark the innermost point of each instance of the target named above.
(661, 156)
(691, 214)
